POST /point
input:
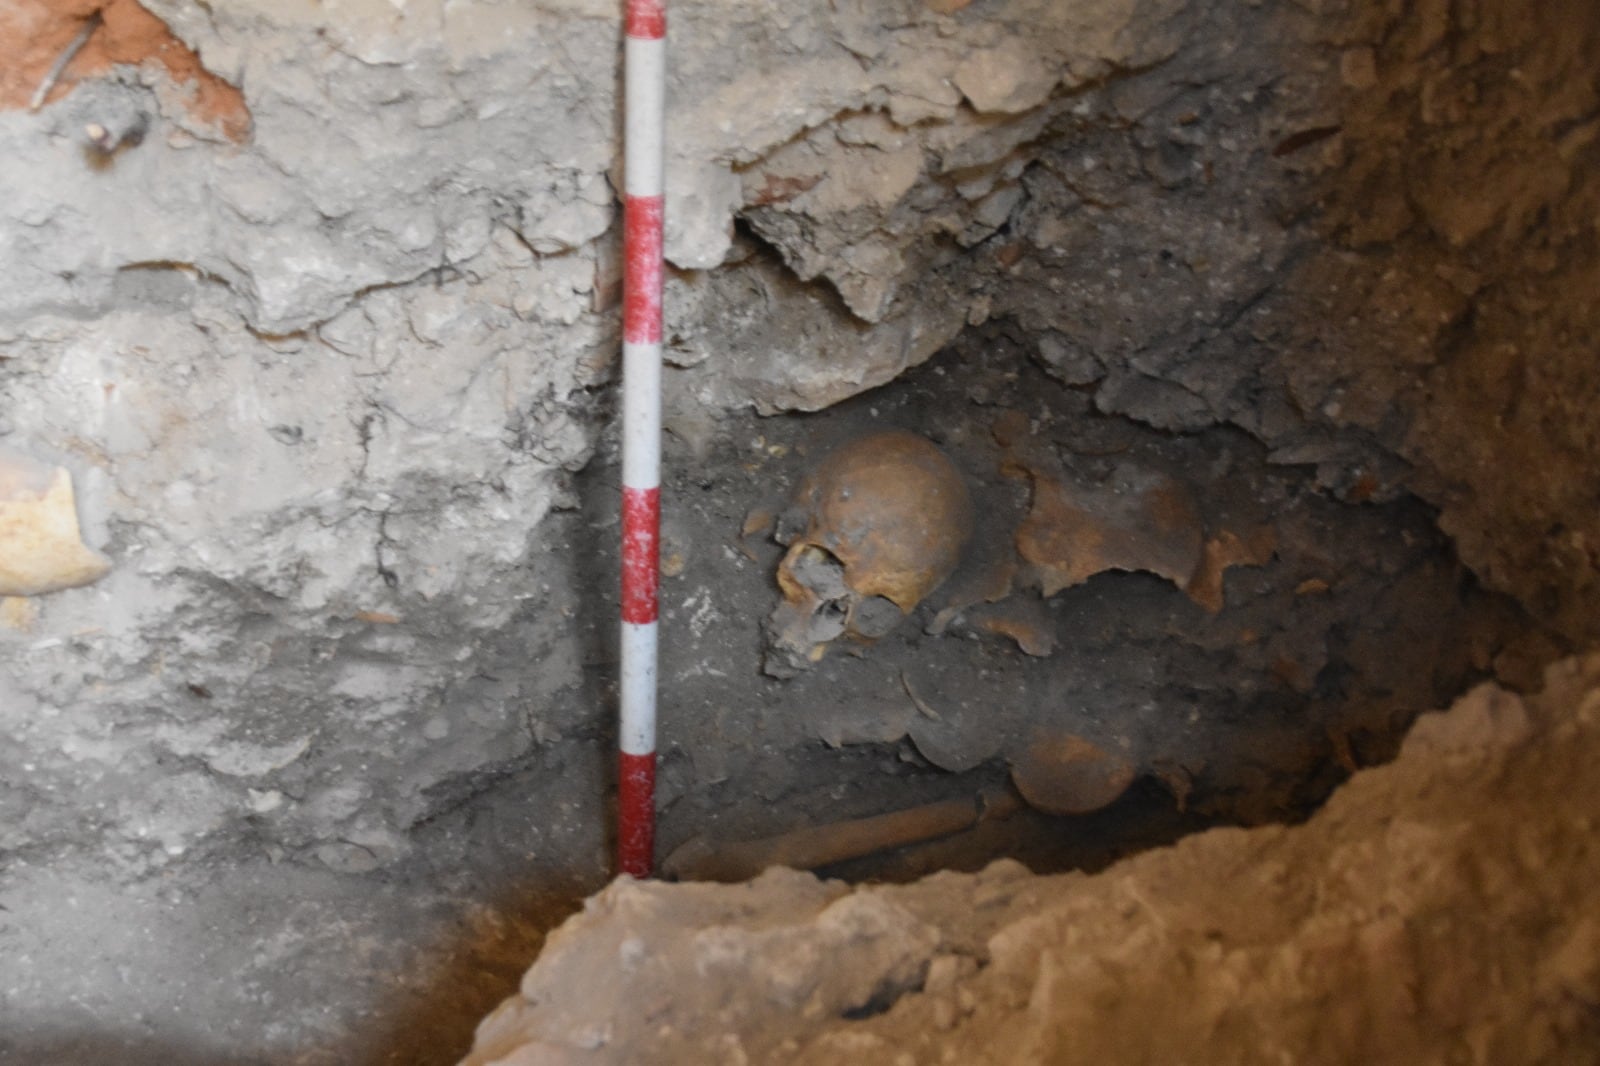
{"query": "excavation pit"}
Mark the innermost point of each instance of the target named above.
(1260, 337)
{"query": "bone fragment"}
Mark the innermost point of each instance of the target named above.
(917, 701)
(1139, 519)
(1025, 621)
(40, 549)
(806, 849)
(1225, 550)
(1060, 773)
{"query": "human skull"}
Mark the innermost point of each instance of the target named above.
(873, 529)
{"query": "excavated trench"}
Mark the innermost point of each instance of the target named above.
(1225, 646)
(1259, 337)
(1133, 708)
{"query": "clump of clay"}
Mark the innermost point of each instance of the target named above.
(94, 36)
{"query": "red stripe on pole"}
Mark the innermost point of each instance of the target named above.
(646, 19)
(641, 246)
(641, 555)
(636, 815)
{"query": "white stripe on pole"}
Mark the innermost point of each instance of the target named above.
(644, 130)
(641, 415)
(638, 729)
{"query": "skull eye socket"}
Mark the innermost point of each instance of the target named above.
(875, 616)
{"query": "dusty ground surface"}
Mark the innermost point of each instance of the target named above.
(1439, 908)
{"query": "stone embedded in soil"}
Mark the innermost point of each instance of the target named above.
(1009, 79)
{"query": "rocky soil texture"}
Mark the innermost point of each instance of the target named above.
(1439, 908)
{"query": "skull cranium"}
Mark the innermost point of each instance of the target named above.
(875, 528)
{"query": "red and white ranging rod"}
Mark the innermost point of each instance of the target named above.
(643, 166)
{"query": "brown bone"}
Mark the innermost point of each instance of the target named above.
(883, 522)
